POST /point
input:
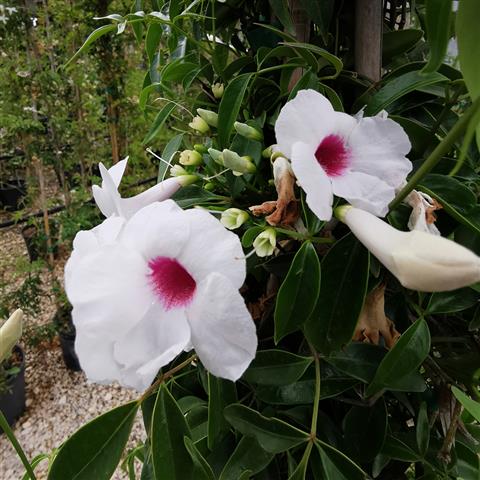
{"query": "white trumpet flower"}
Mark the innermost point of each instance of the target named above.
(421, 261)
(10, 333)
(111, 203)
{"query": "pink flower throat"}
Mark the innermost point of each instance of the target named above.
(171, 282)
(333, 155)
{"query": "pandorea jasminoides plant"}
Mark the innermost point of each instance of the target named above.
(145, 289)
(361, 159)
(421, 261)
(110, 202)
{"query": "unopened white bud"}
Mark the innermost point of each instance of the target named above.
(217, 90)
(248, 132)
(265, 242)
(233, 218)
(10, 333)
(199, 124)
(210, 117)
(237, 163)
(190, 157)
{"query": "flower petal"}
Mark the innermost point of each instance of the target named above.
(306, 118)
(364, 191)
(223, 332)
(157, 193)
(116, 172)
(155, 341)
(109, 290)
(212, 248)
(159, 229)
(379, 146)
(313, 180)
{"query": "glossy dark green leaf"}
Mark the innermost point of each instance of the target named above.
(176, 71)
(276, 367)
(419, 134)
(169, 151)
(453, 301)
(272, 434)
(343, 289)
(475, 321)
(399, 87)
(248, 456)
(405, 357)
(194, 195)
(422, 429)
(230, 107)
(471, 406)
(396, 42)
(365, 430)
(250, 235)
(468, 461)
(457, 199)
(300, 471)
(320, 13)
(399, 450)
(95, 35)
(221, 393)
(336, 465)
(170, 457)
(298, 293)
(152, 39)
(437, 22)
(202, 470)
(157, 124)
(94, 450)
(280, 9)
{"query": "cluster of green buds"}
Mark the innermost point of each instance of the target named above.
(10, 333)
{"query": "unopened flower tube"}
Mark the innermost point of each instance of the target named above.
(421, 261)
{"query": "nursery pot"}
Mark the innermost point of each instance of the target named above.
(66, 334)
(11, 193)
(29, 234)
(12, 402)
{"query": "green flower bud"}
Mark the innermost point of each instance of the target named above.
(177, 171)
(210, 117)
(267, 153)
(233, 218)
(237, 163)
(210, 186)
(185, 180)
(199, 124)
(200, 148)
(190, 157)
(217, 90)
(248, 132)
(265, 242)
(216, 155)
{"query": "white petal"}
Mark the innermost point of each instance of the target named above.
(212, 248)
(379, 146)
(116, 172)
(104, 201)
(313, 180)
(364, 191)
(159, 229)
(223, 332)
(307, 118)
(157, 193)
(107, 198)
(109, 290)
(154, 342)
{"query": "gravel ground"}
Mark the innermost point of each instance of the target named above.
(58, 401)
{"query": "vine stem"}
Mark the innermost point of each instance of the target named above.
(442, 148)
(316, 401)
(166, 376)
(11, 436)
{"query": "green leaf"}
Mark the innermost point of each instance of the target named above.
(471, 406)
(320, 13)
(177, 70)
(437, 22)
(194, 195)
(423, 429)
(248, 456)
(94, 450)
(468, 38)
(171, 148)
(96, 34)
(405, 357)
(399, 87)
(397, 42)
(336, 465)
(250, 235)
(160, 119)
(230, 107)
(170, 457)
(365, 430)
(152, 40)
(203, 471)
(276, 367)
(399, 450)
(221, 393)
(457, 200)
(280, 9)
(298, 293)
(343, 289)
(272, 434)
(451, 302)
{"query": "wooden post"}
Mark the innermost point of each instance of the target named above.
(368, 38)
(302, 34)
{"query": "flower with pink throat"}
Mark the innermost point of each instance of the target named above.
(361, 159)
(145, 289)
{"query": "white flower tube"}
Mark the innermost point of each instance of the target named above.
(111, 203)
(10, 333)
(421, 261)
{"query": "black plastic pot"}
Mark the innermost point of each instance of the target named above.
(11, 193)
(12, 403)
(29, 234)
(66, 333)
